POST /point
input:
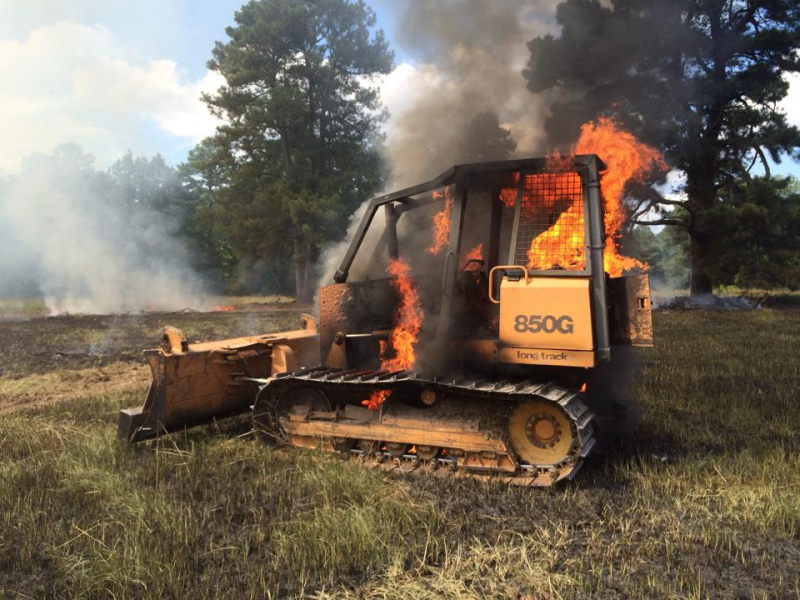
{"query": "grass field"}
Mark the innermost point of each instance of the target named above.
(702, 502)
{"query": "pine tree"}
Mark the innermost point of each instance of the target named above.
(701, 79)
(300, 118)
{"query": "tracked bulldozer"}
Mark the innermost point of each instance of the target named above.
(482, 355)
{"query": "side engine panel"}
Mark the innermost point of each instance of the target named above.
(546, 321)
(630, 310)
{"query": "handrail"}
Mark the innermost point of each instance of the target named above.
(524, 270)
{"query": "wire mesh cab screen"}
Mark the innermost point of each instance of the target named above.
(551, 234)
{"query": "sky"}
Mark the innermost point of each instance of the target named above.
(116, 75)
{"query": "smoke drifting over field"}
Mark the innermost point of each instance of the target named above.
(469, 86)
(64, 238)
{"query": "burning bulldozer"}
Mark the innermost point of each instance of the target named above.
(466, 326)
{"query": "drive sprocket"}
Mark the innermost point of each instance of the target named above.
(540, 432)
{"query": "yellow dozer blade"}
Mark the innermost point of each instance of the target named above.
(196, 383)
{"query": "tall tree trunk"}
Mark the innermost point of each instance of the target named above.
(285, 153)
(309, 283)
(304, 260)
(701, 176)
(700, 280)
(700, 187)
(299, 269)
(307, 293)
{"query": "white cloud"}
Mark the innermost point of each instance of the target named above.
(72, 82)
(791, 104)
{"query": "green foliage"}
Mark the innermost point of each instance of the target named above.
(760, 245)
(148, 182)
(756, 243)
(139, 183)
(295, 156)
(213, 247)
(666, 253)
(701, 79)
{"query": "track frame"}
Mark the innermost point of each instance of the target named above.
(472, 448)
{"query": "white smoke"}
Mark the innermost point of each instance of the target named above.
(66, 239)
(67, 81)
(332, 255)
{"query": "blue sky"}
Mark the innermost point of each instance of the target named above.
(181, 30)
(114, 75)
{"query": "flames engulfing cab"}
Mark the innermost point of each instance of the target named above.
(477, 349)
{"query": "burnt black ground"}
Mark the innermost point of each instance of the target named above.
(42, 344)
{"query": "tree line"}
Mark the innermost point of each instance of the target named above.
(298, 149)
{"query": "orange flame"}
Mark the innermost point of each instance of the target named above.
(441, 222)
(376, 399)
(475, 254)
(407, 318)
(508, 196)
(561, 246)
(627, 159)
(224, 308)
(407, 324)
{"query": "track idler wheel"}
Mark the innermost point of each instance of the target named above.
(540, 433)
(267, 412)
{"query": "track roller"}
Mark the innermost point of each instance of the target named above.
(528, 433)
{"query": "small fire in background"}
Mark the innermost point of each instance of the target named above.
(441, 222)
(224, 308)
(407, 324)
(475, 254)
(627, 159)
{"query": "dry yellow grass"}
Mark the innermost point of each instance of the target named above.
(47, 388)
(703, 501)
